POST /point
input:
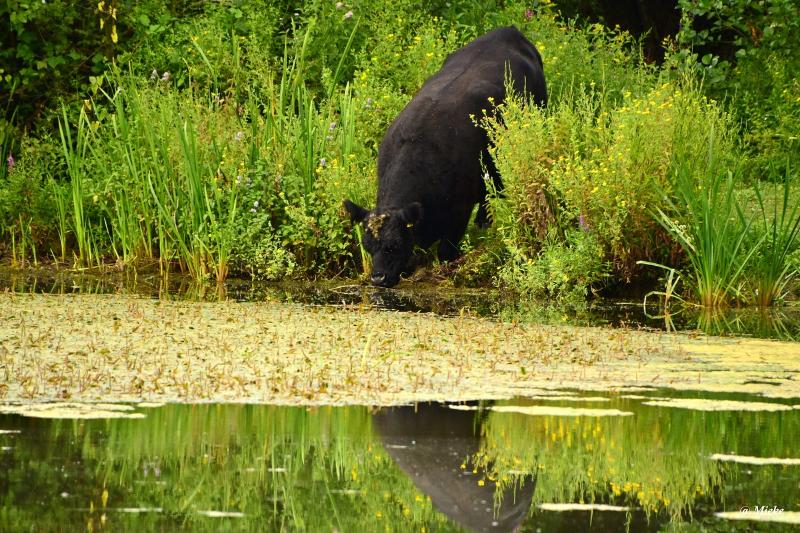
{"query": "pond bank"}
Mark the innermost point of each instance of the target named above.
(125, 348)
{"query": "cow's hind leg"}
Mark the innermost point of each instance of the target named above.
(482, 216)
(448, 245)
(448, 250)
(482, 219)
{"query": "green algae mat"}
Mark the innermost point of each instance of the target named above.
(115, 348)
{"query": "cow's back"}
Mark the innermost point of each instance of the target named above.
(432, 151)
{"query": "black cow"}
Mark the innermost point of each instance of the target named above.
(429, 162)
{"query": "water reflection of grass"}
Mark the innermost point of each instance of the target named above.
(319, 469)
(656, 460)
(766, 323)
(283, 468)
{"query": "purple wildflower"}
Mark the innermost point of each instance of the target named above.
(582, 223)
(528, 14)
(332, 126)
(348, 14)
(323, 162)
(10, 161)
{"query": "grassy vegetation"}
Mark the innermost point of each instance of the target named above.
(221, 139)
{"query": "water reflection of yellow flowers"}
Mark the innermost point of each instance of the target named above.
(591, 460)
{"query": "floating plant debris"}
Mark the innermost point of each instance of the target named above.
(701, 404)
(754, 460)
(542, 410)
(569, 398)
(783, 517)
(221, 514)
(564, 507)
(127, 349)
(135, 510)
(640, 397)
(71, 410)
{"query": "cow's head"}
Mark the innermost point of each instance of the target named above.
(389, 239)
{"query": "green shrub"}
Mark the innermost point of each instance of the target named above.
(258, 252)
(585, 165)
(26, 205)
(566, 267)
(749, 53)
(594, 58)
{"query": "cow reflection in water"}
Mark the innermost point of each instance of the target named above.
(429, 443)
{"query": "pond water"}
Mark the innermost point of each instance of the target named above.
(639, 458)
(484, 466)
(778, 323)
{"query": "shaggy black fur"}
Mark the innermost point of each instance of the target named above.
(429, 162)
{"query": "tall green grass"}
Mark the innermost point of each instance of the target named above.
(178, 177)
(737, 253)
(75, 156)
(707, 221)
(772, 272)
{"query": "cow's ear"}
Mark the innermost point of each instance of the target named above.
(411, 214)
(356, 212)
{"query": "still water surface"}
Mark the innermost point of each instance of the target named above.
(428, 467)
(776, 323)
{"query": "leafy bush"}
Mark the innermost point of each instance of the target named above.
(566, 267)
(582, 166)
(26, 206)
(749, 53)
(228, 133)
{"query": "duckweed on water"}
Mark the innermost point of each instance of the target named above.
(746, 459)
(123, 348)
(71, 410)
(581, 507)
(701, 404)
(538, 410)
(566, 398)
(783, 517)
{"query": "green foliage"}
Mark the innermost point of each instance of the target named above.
(595, 59)
(25, 208)
(709, 225)
(587, 166)
(564, 267)
(771, 269)
(48, 48)
(749, 52)
(221, 137)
